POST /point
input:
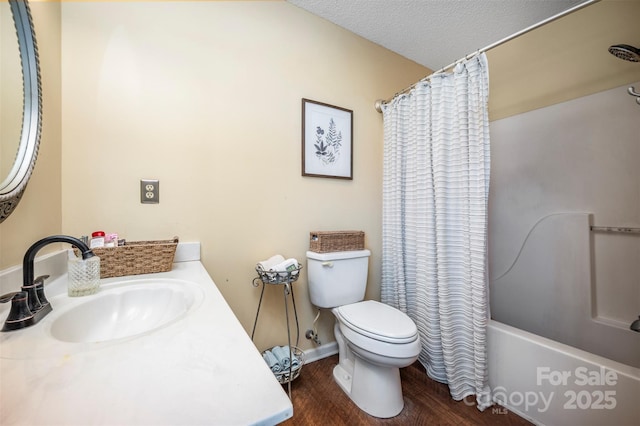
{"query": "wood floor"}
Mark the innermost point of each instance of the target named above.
(317, 400)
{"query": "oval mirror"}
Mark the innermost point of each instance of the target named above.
(14, 177)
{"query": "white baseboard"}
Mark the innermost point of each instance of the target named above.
(322, 351)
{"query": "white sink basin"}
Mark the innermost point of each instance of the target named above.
(123, 310)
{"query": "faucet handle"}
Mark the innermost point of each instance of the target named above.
(9, 296)
(20, 315)
(40, 280)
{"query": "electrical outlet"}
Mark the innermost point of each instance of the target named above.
(149, 191)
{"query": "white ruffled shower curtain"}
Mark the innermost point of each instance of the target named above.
(434, 237)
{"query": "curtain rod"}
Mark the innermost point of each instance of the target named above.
(380, 102)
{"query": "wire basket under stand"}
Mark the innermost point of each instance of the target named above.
(287, 375)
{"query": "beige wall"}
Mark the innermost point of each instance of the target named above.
(206, 97)
(39, 213)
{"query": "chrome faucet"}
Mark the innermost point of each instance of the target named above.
(30, 305)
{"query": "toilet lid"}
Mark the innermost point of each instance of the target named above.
(378, 321)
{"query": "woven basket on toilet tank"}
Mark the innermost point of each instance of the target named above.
(329, 241)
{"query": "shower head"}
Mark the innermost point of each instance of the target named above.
(625, 52)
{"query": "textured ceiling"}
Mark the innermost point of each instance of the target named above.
(435, 33)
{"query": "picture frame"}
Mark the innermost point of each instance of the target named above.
(327, 140)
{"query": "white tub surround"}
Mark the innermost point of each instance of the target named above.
(549, 289)
(568, 284)
(199, 369)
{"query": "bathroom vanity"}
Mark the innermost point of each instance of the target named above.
(192, 363)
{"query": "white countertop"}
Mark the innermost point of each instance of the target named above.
(201, 369)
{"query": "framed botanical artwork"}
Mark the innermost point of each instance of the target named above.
(327, 140)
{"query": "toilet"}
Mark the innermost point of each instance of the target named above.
(374, 340)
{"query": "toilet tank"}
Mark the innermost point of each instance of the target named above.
(337, 278)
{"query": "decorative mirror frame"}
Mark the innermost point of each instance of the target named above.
(12, 188)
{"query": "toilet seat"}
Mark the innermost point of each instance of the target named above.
(378, 321)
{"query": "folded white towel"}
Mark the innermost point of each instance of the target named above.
(267, 265)
(286, 266)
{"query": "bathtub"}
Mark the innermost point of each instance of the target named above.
(550, 383)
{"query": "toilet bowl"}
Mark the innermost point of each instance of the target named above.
(374, 340)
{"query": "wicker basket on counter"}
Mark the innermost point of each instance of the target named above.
(329, 241)
(136, 257)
